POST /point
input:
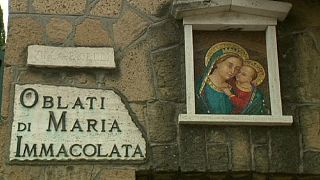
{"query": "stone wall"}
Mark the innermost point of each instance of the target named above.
(149, 52)
(299, 58)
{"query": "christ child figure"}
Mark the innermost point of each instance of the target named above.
(244, 96)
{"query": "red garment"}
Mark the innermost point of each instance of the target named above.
(240, 100)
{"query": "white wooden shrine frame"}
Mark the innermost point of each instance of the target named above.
(245, 22)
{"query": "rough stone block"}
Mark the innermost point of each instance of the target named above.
(140, 110)
(72, 172)
(8, 77)
(197, 176)
(18, 6)
(143, 176)
(181, 108)
(135, 78)
(308, 65)
(259, 135)
(309, 119)
(240, 148)
(166, 65)
(239, 175)
(38, 76)
(164, 34)
(216, 135)
(287, 65)
(161, 122)
(218, 157)
(107, 8)
(91, 32)
(164, 176)
(303, 14)
(24, 173)
(5, 130)
(116, 174)
(165, 158)
(58, 30)
(311, 161)
(128, 28)
(72, 7)
(23, 32)
(78, 79)
(281, 177)
(170, 94)
(192, 149)
(256, 176)
(156, 8)
(53, 76)
(285, 150)
(291, 110)
(217, 176)
(299, 53)
(308, 177)
(261, 158)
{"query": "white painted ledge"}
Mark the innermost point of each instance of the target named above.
(267, 8)
(247, 120)
(229, 20)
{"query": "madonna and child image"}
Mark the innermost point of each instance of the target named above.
(229, 82)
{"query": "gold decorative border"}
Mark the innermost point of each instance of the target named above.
(226, 47)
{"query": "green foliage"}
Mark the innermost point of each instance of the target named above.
(2, 32)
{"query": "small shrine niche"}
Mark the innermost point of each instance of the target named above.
(231, 61)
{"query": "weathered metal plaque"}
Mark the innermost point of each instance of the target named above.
(49, 56)
(68, 123)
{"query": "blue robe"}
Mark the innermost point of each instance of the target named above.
(210, 101)
(257, 105)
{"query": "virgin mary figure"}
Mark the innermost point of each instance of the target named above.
(223, 61)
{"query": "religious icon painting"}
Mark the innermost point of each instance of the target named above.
(230, 72)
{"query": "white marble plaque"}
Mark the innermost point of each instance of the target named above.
(68, 123)
(79, 57)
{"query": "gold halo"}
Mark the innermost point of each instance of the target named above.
(261, 74)
(226, 47)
